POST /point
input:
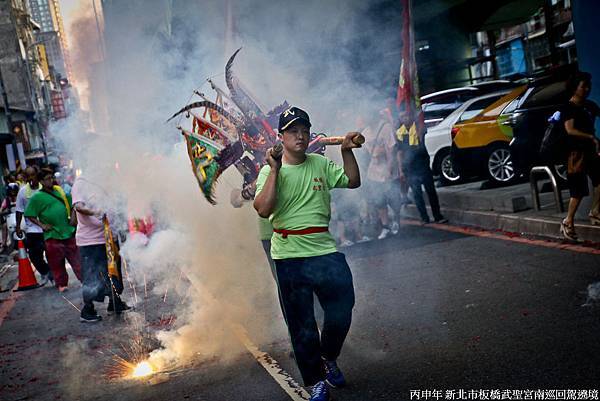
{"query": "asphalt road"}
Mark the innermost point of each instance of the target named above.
(434, 310)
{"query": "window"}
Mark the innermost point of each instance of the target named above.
(477, 107)
(440, 107)
(512, 106)
(546, 95)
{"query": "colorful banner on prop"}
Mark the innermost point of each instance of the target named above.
(411, 127)
(112, 251)
(203, 153)
(203, 128)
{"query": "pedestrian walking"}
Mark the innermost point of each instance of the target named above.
(90, 239)
(345, 217)
(7, 208)
(583, 159)
(383, 177)
(21, 179)
(34, 235)
(50, 208)
(294, 192)
(414, 162)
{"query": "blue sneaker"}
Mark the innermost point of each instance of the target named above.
(319, 392)
(333, 375)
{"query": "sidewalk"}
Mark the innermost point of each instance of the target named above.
(509, 209)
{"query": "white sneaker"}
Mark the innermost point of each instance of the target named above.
(395, 227)
(384, 233)
(364, 239)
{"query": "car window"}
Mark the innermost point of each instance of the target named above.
(439, 110)
(477, 107)
(546, 95)
(517, 102)
(498, 106)
(440, 106)
(512, 106)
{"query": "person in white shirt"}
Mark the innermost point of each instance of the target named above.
(34, 235)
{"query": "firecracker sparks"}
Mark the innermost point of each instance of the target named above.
(142, 369)
(133, 360)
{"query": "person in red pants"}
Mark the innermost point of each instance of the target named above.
(50, 208)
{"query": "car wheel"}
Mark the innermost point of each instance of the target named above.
(445, 169)
(499, 164)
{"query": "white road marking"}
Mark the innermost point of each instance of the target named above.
(281, 377)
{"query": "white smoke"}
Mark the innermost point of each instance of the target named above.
(156, 55)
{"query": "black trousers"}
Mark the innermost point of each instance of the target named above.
(328, 277)
(96, 284)
(35, 245)
(266, 244)
(422, 176)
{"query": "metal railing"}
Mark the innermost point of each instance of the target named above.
(534, 175)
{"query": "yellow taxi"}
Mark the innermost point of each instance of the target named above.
(480, 144)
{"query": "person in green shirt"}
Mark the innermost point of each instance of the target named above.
(293, 191)
(50, 208)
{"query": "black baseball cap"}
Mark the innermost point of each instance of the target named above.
(292, 115)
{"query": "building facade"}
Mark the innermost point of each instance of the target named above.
(28, 80)
(46, 13)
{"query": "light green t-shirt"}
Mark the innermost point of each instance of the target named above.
(265, 229)
(303, 201)
(51, 210)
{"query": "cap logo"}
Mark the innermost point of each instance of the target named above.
(288, 112)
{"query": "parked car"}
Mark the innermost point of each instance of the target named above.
(480, 145)
(438, 139)
(528, 120)
(496, 85)
(439, 105)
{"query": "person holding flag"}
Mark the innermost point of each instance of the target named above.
(99, 253)
(413, 157)
(293, 191)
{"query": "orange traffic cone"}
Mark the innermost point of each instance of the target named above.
(27, 279)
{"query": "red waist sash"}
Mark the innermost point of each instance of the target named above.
(310, 230)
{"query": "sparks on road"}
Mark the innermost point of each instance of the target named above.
(142, 369)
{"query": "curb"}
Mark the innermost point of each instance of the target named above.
(536, 226)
